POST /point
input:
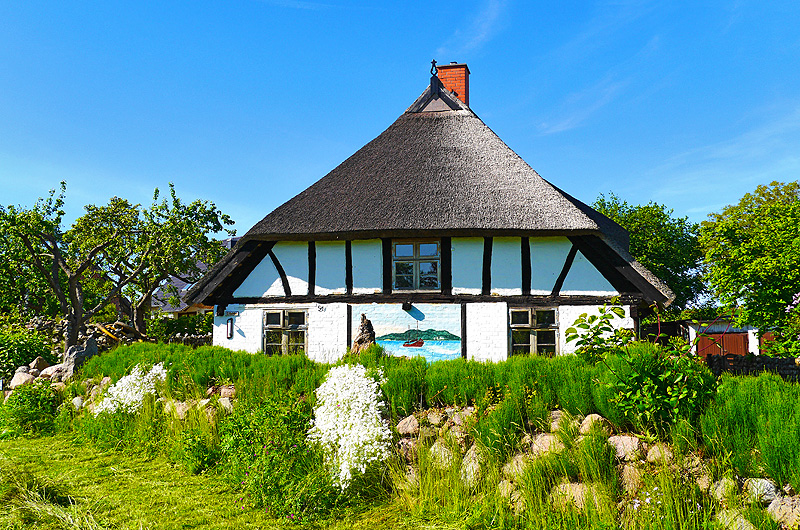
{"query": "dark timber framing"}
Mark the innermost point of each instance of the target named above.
(236, 271)
(287, 289)
(463, 330)
(349, 325)
(564, 271)
(428, 297)
(386, 247)
(486, 277)
(312, 267)
(348, 266)
(525, 248)
(447, 265)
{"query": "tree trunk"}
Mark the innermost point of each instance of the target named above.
(71, 333)
(139, 312)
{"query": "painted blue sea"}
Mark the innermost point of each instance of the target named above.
(432, 350)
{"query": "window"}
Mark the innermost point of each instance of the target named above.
(534, 332)
(284, 331)
(415, 266)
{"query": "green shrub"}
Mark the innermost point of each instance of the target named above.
(141, 433)
(164, 328)
(596, 335)
(199, 450)
(31, 409)
(21, 347)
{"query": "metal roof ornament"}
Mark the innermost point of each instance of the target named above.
(434, 70)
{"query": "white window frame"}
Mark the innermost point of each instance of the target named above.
(416, 259)
(285, 328)
(533, 326)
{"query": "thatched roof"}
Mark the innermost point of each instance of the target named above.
(437, 170)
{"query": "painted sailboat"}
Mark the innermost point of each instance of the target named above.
(414, 343)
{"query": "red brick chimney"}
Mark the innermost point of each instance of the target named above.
(455, 78)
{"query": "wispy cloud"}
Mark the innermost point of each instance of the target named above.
(480, 30)
(579, 107)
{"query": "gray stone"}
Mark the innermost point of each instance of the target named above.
(598, 423)
(515, 467)
(722, 489)
(408, 426)
(733, 520)
(461, 416)
(227, 391)
(575, 494)
(48, 372)
(77, 402)
(24, 369)
(545, 443)
(760, 490)
(77, 355)
(178, 408)
(506, 488)
(785, 510)
(427, 432)
(631, 477)
(435, 418)
(562, 420)
(407, 447)
(226, 404)
(660, 454)
(38, 364)
(19, 379)
(34, 372)
(471, 467)
(441, 455)
(627, 448)
(365, 337)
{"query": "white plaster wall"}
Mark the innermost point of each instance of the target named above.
(567, 314)
(330, 272)
(487, 331)
(507, 266)
(467, 263)
(265, 280)
(327, 332)
(584, 278)
(752, 342)
(246, 329)
(367, 266)
(548, 255)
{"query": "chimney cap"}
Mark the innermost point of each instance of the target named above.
(452, 64)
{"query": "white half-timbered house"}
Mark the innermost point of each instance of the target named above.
(440, 234)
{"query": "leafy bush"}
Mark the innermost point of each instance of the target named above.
(596, 335)
(31, 409)
(21, 347)
(164, 328)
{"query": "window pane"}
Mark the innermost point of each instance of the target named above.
(273, 319)
(272, 337)
(546, 337)
(546, 318)
(403, 282)
(428, 249)
(549, 351)
(520, 337)
(518, 349)
(428, 267)
(405, 268)
(272, 349)
(404, 250)
(296, 318)
(520, 318)
(428, 282)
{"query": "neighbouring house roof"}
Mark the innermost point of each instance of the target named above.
(438, 170)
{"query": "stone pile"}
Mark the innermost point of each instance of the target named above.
(39, 369)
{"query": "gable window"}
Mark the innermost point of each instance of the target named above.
(415, 265)
(285, 331)
(534, 331)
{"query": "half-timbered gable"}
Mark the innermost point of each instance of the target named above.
(440, 234)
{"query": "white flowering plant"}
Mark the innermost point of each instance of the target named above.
(347, 423)
(127, 394)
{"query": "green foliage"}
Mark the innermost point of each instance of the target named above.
(781, 348)
(668, 246)
(752, 252)
(31, 409)
(596, 335)
(654, 388)
(199, 449)
(164, 328)
(21, 347)
(142, 433)
(264, 450)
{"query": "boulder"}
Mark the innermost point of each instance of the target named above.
(77, 402)
(760, 490)
(38, 364)
(733, 520)
(515, 467)
(785, 510)
(471, 467)
(546, 443)
(435, 418)
(461, 416)
(58, 387)
(723, 488)
(178, 408)
(598, 423)
(575, 494)
(506, 488)
(76, 356)
(365, 337)
(660, 454)
(227, 391)
(34, 372)
(407, 447)
(627, 448)
(441, 455)
(408, 426)
(19, 379)
(226, 404)
(631, 478)
(24, 369)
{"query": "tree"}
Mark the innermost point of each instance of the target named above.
(752, 251)
(667, 245)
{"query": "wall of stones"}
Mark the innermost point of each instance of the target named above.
(786, 367)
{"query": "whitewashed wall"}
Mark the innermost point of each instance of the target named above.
(467, 260)
(367, 266)
(265, 280)
(548, 255)
(327, 332)
(584, 278)
(330, 271)
(568, 314)
(487, 331)
(246, 329)
(506, 266)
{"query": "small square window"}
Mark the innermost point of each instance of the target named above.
(284, 332)
(273, 319)
(533, 331)
(416, 266)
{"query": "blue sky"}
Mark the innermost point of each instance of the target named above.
(246, 103)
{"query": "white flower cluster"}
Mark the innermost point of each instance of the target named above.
(347, 422)
(128, 393)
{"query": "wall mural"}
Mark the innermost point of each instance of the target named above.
(432, 331)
